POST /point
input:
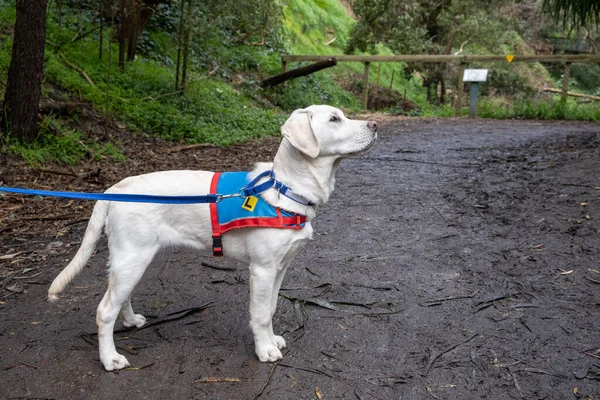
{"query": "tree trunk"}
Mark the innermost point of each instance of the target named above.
(122, 32)
(24, 86)
(133, 26)
(143, 11)
(179, 42)
(101, 35)
(186, 45)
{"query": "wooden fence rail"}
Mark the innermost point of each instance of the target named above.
(566, 60)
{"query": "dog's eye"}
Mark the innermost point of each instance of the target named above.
(334, 118)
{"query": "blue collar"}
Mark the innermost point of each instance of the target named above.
(253, 188)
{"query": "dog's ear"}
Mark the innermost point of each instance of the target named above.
(298, 130)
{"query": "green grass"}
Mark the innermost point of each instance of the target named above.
(143, 98)
(63, 146)
(538, 109)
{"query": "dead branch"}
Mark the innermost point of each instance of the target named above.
(174, 316)
(80, 35)
(188, 147)
(60, 107)
(75, 67)
(58, 172)
(217, 267)
(298, 72)
(162, 95)
(584, 96)
(434, 356)
(49, 217)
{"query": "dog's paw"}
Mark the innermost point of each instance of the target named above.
(114, 362)
(279, 342)
(268, 353)
(138, 321)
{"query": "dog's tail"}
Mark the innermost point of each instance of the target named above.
(88, 244)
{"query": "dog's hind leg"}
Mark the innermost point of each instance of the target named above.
(125, 273)
(262, 282)
(129, 318)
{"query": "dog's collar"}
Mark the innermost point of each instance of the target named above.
(253, 188)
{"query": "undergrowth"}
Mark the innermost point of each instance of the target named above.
(223, 102)
(63, 146)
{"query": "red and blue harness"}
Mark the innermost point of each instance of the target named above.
(241, 207)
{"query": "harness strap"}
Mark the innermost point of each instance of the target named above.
(252, 189)
(214, 219)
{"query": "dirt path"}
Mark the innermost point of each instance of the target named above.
(457, 259)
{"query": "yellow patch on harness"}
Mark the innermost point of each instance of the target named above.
(250, 203)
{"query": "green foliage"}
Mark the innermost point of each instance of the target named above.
(575, 12)
(311, 24)
(63, 146)
(317, 88)
(586, 77)
(537, 109)
(143, 97)
(425, 27)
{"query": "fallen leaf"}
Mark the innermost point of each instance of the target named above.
(318, 393)
(159, 304)
(10, 256)
(563, 272)
(138, 368)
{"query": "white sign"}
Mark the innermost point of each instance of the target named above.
(475, 75)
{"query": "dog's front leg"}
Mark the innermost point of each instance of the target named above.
(263, 279)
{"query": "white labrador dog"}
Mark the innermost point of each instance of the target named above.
(315, 140)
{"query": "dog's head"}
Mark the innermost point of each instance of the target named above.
(325, 131)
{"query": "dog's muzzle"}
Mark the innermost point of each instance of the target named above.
(367, 135)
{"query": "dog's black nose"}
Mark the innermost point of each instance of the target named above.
(372, 125)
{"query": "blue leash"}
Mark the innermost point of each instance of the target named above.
(249, 190)
(131, 198)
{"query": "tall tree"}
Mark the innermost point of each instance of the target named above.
(25, 73)
(425, 27)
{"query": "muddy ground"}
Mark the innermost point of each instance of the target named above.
(458, 259)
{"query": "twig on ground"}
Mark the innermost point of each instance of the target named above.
(216, 379)
(257, 395)
(48, 217)
(592, 280)
(174, 316)
(58, 172)
(312, 371)
(437, 302)
(188, 147)
(209, 265)
(76, 68)
(433, 357)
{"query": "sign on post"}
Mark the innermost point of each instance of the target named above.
(474, 76)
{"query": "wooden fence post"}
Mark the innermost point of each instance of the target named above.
(460, 89)
(565, 82)
(365, 93)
